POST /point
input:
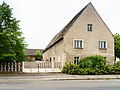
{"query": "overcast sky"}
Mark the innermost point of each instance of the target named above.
(41, 20)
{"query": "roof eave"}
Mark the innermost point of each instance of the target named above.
(53, 44)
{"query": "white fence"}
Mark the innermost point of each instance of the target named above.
(36, 67)
(10, 67)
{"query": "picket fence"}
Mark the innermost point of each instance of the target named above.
(37, 67)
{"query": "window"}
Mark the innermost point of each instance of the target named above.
(76, 60)
(50, 59)
(78, 44)
(102, 45)
(89, 27)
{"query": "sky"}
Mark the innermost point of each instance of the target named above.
(41, 20)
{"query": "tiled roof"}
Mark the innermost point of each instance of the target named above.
(61, 34)
(32, 51)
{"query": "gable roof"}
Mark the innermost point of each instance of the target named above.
(32, 51)
(61, 34)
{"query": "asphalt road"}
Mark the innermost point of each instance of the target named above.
(13, 84)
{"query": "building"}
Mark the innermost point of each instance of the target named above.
(85, 35)
(31, 54)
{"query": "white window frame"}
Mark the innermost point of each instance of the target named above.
(77, 45)
(76, 60)
(90, 27)
(101, 44)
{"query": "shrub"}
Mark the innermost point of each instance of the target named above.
(93, 65)
(68, 68)
(75, 69)
(96, 61)
(117, 68)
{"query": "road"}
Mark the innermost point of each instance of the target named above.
(14, 84)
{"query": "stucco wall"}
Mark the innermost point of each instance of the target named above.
(56, 53)
(91, 39)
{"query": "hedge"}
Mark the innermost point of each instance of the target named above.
(93, 65)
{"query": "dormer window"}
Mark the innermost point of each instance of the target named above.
(89, 27)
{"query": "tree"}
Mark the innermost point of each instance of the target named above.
(38, 55)
(117, 45)
(11, 41)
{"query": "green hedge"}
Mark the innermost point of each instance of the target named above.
(93, 65)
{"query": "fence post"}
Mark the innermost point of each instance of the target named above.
(15, 66)
(8, 66)
(45, 64)
(23, 66)
(5, 67)
(11, 66)
(1, 67)
(53, 66)
(38, 67)
(31, 68)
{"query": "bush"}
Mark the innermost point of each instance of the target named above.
(117, 68)
(68, 68)
(93, 65)
(96, 61)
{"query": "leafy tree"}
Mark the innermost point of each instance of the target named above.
(38, 55)
(11, 42)
(117, 45)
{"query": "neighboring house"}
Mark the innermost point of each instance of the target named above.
(31, 53)
(85, 35)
